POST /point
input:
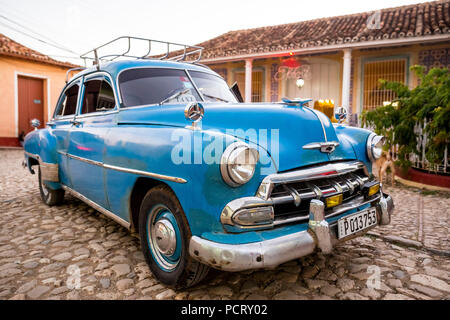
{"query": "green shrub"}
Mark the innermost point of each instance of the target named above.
(428, 104)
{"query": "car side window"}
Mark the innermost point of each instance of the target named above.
(98, 96)
(68, 103)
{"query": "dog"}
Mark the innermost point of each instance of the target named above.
(382, 164)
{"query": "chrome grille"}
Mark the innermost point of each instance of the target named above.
(291, 200)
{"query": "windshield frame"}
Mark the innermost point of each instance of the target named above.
(217, 76)
(161, 67)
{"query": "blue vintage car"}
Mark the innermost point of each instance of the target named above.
(164, 147)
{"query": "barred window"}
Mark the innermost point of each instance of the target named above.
(390, 70)
(257, 84)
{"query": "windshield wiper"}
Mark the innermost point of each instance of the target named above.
(213, 97)
(173, 96)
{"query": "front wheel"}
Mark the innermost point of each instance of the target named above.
(165, 236)
(49, 196)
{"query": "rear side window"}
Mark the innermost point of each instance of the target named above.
(98, 96)
(68, 104)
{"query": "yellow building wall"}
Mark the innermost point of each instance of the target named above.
(53, 82)
(359, 55)
(266, 65)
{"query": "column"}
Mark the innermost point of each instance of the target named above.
(248, 80)
(346, 74)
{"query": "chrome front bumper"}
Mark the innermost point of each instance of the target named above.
(271, 253)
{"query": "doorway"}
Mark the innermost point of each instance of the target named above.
(30, 104)
(322, 81)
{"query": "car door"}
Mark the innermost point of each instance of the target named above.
(96, 114)
(61, 125)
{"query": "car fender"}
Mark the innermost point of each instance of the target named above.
(40, 148)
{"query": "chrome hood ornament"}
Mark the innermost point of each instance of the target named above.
(297, 102)
(194, 112)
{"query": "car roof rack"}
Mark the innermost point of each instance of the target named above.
(71, 70)
(194, 52)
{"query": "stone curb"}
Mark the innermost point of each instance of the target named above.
(408, 243)
(419, 185)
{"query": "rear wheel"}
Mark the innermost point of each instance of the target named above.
(49, 196)
(165, 236)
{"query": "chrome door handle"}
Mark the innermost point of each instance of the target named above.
(75, 122)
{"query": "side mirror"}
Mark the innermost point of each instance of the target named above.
(340, 114)
(237, 93)
(35, 123)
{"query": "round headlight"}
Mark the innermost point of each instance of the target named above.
(238, 163)
(375, 146)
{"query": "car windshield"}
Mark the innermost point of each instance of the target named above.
(143, 86)
(212, 88)
(156, 86)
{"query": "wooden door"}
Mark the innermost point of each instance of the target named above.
(31, 103)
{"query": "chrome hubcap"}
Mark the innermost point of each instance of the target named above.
(165, 237)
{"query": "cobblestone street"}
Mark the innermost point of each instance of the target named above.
(41, 248)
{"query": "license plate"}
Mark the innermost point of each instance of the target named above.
(356, 222)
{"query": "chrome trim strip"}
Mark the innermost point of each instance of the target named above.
(97, 114)
(61, 118)
(32, 155)
(96, 163)
(321, 122)
(97, 207)
(145, 173)
(122, 169)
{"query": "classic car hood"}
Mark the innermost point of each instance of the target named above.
(294, 126)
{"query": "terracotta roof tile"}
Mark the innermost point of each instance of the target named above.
(9, 47)
(430, 18)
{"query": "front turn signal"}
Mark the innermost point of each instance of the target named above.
(333, 201)
(371, 188)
